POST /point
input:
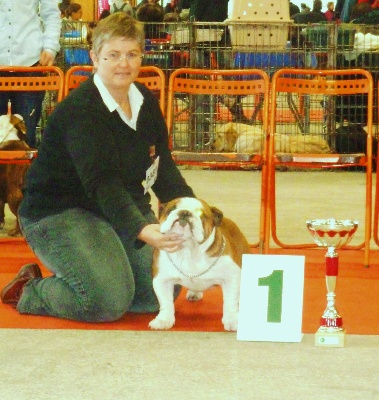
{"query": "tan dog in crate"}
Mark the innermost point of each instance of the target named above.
(242, 138)
(239, 138)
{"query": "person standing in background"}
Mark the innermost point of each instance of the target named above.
(73, 18)
(345, 10)
(304, 8)
(150, 14)
(329, 13)
(206, 11)
(338, 9)
(294, 9)
(122, 5)
(143, 2)
(29, 36)
(74, 27)
(63, 7)
(171, 7)
(313, 17)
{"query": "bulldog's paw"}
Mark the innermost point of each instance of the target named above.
(194, 296)
(230, 323)
(158, 323)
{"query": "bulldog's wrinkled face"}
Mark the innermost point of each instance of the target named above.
(191, 218)
(12, 127)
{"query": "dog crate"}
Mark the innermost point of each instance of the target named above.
(322, 37)
(259, 25)
(200, 33)
(253, 36)
(262, 11)
(75, 44)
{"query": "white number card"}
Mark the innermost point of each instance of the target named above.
(271, 298)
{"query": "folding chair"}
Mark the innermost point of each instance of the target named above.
(376, 199)
(323, 98)
(196, 108)
(51, 82)
(152, 77)
(74, 76)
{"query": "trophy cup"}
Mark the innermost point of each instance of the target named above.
(332, 234)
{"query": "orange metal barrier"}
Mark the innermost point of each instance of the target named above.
(152, 77)
(317, 89)
(376, 200)
(17, 156)
(52, 80)
(75, 76)
(193, 90)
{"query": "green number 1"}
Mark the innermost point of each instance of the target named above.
(275, 292)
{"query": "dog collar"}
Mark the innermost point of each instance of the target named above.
(206, 270)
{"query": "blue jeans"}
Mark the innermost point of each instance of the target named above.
(27, 104)
(98, 274)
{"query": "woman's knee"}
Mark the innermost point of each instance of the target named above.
(108, 306)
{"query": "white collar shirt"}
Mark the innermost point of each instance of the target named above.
(135, 100)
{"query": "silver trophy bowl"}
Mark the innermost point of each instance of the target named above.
(331, 232)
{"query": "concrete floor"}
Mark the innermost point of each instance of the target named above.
(300, 196)
(117, 365)
(105, 365)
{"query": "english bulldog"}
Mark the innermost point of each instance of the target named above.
(212, 255)
(12, 136)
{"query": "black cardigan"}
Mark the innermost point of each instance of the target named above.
(90, 158)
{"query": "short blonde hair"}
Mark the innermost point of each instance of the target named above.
(117, 25)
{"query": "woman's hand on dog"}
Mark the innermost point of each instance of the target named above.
(169, 242)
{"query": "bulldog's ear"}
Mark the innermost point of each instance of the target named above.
(217, 215)
(166, 208)
(18, 122)
(161, 209)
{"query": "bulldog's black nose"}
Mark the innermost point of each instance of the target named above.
(184, 217)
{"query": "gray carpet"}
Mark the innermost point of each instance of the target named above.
(85, 365)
